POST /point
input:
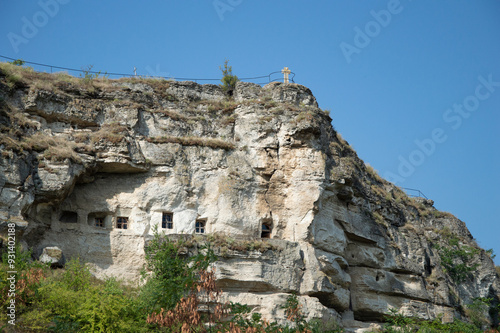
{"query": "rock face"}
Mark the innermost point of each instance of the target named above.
(93, 168)
(53, 256)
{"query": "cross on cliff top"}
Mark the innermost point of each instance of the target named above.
(286, 71)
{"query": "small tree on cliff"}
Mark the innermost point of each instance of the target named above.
(228, 79)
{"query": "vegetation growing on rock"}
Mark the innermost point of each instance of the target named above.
(177, 285)
(346, 241)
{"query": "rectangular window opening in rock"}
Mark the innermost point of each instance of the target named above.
(99, 222)
(266, 231)
(167, 221)
(102, 220)
(69, 217)
(200, 226)
(121, 222)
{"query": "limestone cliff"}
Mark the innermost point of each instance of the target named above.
(83, 159)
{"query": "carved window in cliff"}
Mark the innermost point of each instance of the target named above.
(167, 221)
(122, 222)
(69, 217)
(99, 222)
(200, 226)
(266, 231)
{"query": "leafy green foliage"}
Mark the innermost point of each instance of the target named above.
(72, 300)
(172, 272)
(27, 274)
(77, 301)
(491, 253)
(456, 258)
(88, 76)
(479, 310)
(228, 79)
(293, 312)
(399, 323)
(254, 322)
(18, 62)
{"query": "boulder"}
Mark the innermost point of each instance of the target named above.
(52, 255)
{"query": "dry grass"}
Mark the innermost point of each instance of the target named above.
(422, 210)
(343, 148)
(18, 76)
(379, 191)
(225, 243)
(399, 195)
(293, 107)
(223, 106)
(439, 214)
(174, 115)
(265, 119)
(113, 133)
(341, 139)
(379, 218)
(60, 153)
(410, 228)
(55, 148)
(497, 268)
(159, 85)
(193, 141)
(270, 104)
(16, 138)
(228, 120)
(307, 116)
(373, 173)
(10, 143)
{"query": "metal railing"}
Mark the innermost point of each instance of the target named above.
(269, 77)
(412, 192)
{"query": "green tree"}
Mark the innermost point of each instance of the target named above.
(228, 79)
(170, 272)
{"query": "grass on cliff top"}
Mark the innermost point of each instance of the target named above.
(21, 134)
(61, 82)
(19, 76)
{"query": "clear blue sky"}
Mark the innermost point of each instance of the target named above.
(391, 72)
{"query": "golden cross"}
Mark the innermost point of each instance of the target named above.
(285, 72)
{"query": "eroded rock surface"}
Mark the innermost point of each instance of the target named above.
(94, 170)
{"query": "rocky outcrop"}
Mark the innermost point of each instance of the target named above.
(53, 256)
(93, 168)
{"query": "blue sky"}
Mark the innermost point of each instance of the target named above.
(413, 86)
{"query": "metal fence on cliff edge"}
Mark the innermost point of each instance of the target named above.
(52, 67)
